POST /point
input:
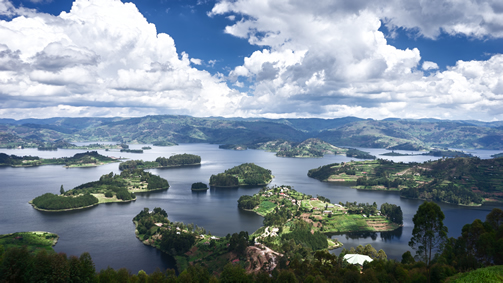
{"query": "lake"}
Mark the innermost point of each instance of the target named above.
(106, 231)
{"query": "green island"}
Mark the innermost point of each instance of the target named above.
(86, 159)
(164, 143)
(176, 160)
(34, 241)
(109, 188)
(233, 146)
(246, 174)
(132, 150)
(356, 153)
(199, 186)
(309, 148)
(146, 147)
(460, 180)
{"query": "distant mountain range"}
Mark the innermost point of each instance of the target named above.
(406, 134)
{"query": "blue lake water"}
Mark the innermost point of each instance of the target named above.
(107, 231)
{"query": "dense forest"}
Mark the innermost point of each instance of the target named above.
(50, 201)
(173, 161)
(353, 152)
(247, 174)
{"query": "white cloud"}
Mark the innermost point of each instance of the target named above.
(331, 60)
(102, 53)
(428, 65)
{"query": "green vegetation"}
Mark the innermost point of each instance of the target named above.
(146, 147)
(486, 274)
(308, 148)
(132, 150)
(233, 146)
(247, 174)
(233, 259)
(86, 159)
(33, 241)
(110, 188)
(461, 180)
(189, 244)
(169, 130)
(448, 153)
(164, 143)
(498, 155)
(199, 186)
(353, 152)
(282, 206)
(176, 160)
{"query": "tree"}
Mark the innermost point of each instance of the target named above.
(61, 190)
(429, 232)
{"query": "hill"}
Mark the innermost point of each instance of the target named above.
(308, 148)
(169, 130)
(176, 160)
(246, 174)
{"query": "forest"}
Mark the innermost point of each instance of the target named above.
(160, 162)
(246, 174)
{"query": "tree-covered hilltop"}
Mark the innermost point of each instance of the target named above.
(109, 188)
(461, 180)
(233, 146)
(86, 159)
(247, 174)
(176, 160)
(199, 186)
(35, 242)
(356, 153)
(309, 148)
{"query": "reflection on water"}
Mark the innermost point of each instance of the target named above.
(107, 231)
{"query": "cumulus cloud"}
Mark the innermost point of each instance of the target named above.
(331, 60)
(100, 54)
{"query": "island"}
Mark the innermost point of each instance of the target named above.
(460, 180)
(164, 143)
(146, 147)
(109, 188)
(233, 146)
(356, 153)
(199, 186)
(86, 159)
(246, 174)
(132, 150)
(34, 241)
(177, 160)
(309, 148)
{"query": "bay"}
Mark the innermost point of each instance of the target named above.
(107, 231)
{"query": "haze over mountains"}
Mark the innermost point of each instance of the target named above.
(393, 133)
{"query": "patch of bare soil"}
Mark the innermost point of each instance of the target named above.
(261, 257)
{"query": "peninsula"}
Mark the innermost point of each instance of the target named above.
(246, 174)
(177, 160)
(460, 180)
(109, 188)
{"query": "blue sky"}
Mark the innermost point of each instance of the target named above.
(252, 58)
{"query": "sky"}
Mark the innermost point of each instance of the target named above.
(252, 58)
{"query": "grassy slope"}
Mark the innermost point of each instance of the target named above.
(35, 241)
